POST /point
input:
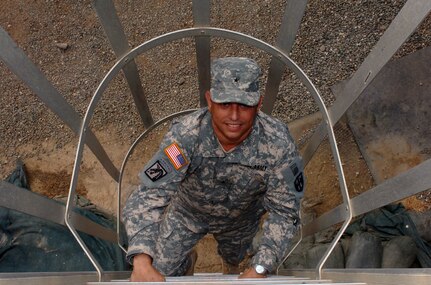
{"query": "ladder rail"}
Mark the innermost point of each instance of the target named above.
(179, 34)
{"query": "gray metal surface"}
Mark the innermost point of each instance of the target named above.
(399, 276)
(197, 281)
(390, 120)
(218, 279)
(224, 277)
(201, 18)
(111, 24)
(25, 201)
(409, 183)
(57, 278)
(409, 17)
(286, 37)
(16, 60)
(237, 282)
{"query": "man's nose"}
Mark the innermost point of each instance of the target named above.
(234, 111)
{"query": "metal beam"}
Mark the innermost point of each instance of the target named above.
(408, 183)
(201, 18)
(404, 24)
(218, 279)
(289, 28)
(57, 278)
(111, 24)
(16, 60)
(371, 276)
(25, 201)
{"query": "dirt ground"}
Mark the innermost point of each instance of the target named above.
(48, 150)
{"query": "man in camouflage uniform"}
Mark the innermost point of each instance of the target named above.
(218, 171)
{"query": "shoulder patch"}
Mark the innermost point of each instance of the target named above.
(294, 169)
(156, 171)
(176, 156)
(299, 182)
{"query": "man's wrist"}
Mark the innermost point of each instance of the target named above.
(142, 259)
(259, 269)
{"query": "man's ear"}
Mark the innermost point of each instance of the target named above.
(260, 103)
(208, 98)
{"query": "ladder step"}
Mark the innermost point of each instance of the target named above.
(219, 279)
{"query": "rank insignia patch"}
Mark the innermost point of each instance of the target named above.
(299, 182)
(176, 156)
(294, 169)
(155, 171)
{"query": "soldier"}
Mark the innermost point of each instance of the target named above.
(218, 170)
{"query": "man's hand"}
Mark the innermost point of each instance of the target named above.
(143, 270)
(251, 273)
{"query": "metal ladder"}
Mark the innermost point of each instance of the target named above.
(394, 36)
(219, 279)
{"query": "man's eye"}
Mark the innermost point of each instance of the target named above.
(245, 107)
(226, 105)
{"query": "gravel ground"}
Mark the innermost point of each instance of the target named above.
(65, 39)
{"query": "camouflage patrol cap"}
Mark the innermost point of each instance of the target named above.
(235, 80)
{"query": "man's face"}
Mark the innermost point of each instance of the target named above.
(232, 122)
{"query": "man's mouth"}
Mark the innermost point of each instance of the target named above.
(233, 126)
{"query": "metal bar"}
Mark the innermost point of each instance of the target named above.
(277, 271)
(289, 28)
(348, 213)
(404, 24)
(57, 278)
(233, 279)
(16, 60)
(71, 199)
(253, 281)
(201, 18)
(334, 242)
(326, 220)
(409, 183)
(93, 260)
(224, 277)
(111, 24)
(27, 202)
(379, 276)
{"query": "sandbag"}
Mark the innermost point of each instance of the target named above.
(399, 252)
(335, 260)
(365, 251)
(390, 221)
(32, 244)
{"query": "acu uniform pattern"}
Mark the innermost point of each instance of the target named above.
(199, 188)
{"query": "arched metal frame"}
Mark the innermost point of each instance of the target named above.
(198, 32)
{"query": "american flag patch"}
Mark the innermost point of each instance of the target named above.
(176, 156)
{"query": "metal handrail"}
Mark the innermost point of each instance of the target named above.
(176, 35)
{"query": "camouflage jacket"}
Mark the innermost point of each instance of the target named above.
(211, 189)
